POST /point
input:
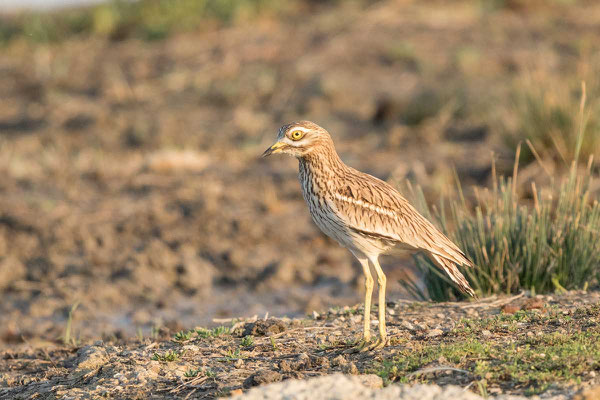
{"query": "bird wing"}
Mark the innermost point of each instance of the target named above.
(372, 207)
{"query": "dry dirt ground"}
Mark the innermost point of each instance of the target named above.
(134, 205)
(519, 345)
(131, 185)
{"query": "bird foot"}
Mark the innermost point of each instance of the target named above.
(380, 343)
(359, 345)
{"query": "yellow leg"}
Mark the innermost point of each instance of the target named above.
(364, 262)
(364, 343)
(381, 279)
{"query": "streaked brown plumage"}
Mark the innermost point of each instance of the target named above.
(362, 213)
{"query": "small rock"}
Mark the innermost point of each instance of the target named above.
(322, 362)
(371, 381)
(239, 363)
(339, 361)
(261, 377)
(533, 304)
(510, 308)
(302, 362)
(408, 325)
(191, 347)
(486, 333)
(236, 392)
(263, 327)
(435, 333)
(91, 357)
(350, 368)
(284, 366)
(592, 393)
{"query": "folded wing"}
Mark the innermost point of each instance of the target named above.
(374, 208)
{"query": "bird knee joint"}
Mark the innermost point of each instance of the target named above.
(369, 282)
(381, 280)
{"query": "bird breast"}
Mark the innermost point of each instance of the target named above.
(320, 192)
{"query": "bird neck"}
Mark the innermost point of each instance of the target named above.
(322, 163)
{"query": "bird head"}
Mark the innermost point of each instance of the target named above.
(299, 139)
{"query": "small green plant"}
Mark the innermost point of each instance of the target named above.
(183, 336)
(68, 338)
(233, 355)
(215, 332)
(154, 332)
(273, 343)
(247, 341)
(221, 331)
(194, 372)
(169, 356)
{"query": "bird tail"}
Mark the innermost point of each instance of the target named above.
(457, 277)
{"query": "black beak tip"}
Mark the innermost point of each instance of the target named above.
(267, 152)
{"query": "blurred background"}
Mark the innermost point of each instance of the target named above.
(132, 195)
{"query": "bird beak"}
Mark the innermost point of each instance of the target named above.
(276, 148)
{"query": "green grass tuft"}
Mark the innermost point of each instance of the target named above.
(194, 372)
(169, 356)
(215, 332)
(68, 338)
(247, 341)
(532, 362)
(554, 121)
(551, 245)
(121, 19)
(183, 336)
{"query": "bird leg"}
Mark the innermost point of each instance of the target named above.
(364, 262)
(381, 279)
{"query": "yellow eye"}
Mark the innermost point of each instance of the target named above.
(297, 135)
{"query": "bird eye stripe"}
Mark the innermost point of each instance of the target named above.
(298, 128)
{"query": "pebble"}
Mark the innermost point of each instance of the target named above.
(350, 368)
(408, 325)
(261, 377)
(592, 393)
(339, 361)
(284, 366)
(371, 381)
(510, 308)
(533, 304)
(91, 357)
(435, 333)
